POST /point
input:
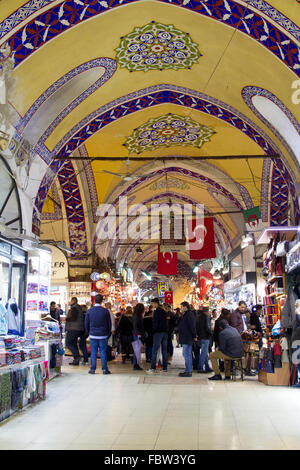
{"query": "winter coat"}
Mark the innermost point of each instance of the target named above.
(203, 326)
(187, 328)
(125, 327)
(138, 326)
(160, 324)
(148, 327)
(75, 319)
(231, 343)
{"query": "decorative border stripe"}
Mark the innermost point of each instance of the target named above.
(64, 16)
(110, 68)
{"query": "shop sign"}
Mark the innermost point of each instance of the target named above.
(293, 258)
(233, 284)
(59, 266)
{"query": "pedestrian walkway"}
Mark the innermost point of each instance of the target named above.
(117, 411)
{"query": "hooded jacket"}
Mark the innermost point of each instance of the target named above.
(75, 319)
(231, 343)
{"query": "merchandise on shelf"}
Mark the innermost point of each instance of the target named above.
(38, 284)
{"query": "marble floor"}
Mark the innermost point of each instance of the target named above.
(115, 411)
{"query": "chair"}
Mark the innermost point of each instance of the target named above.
(237, 364)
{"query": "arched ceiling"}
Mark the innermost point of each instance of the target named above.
(111, 78)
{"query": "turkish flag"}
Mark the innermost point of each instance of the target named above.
(169, 298)
(201, 238)
(205, 281)
(166, 263)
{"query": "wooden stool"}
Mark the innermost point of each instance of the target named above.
(237, 364)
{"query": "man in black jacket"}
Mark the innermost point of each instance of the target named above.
(75, 330)
(187, 334)
(231, 346)
(204, 335)
(160, 335)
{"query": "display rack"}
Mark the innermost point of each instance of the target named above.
(7, 369)
(47, 343)
(38, 284)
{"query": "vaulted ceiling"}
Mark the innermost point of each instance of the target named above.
(169, 78)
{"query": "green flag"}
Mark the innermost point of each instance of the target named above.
(253, 219)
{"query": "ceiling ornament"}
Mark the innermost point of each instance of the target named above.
(171, 183)
(157, 46)
(169, 129)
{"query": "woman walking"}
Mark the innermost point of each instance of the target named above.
(138, 331)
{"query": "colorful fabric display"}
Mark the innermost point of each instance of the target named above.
(277, 355)
(14, 318)
(3, 320)
(5, 395)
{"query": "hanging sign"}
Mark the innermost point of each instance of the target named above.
(59, 266)
(169, 297)
(162, 287)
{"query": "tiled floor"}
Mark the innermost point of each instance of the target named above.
(111, 412)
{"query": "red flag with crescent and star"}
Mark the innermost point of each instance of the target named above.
(166, 263)
(201, 239)
(169, 297)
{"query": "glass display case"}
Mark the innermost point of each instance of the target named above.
(38, 283)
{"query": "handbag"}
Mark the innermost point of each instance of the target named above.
(137, 345)
(282, 248)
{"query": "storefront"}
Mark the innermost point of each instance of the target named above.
(242, 283)
(81, 290)
(237, 290)
(38, 283)
(59, 278)
(280, 269)
(13, 261)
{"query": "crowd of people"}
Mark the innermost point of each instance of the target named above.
(209, 342)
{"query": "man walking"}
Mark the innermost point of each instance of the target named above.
(187, 334)
(231, 346)
(74, 330)
(160, 335)
(204, 335)
(98, 326)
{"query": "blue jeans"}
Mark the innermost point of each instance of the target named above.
(100, 344)
(188, 357)
(203, 344)
(135, 361)
(149, 352)
(160, 339)
(170, 345)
